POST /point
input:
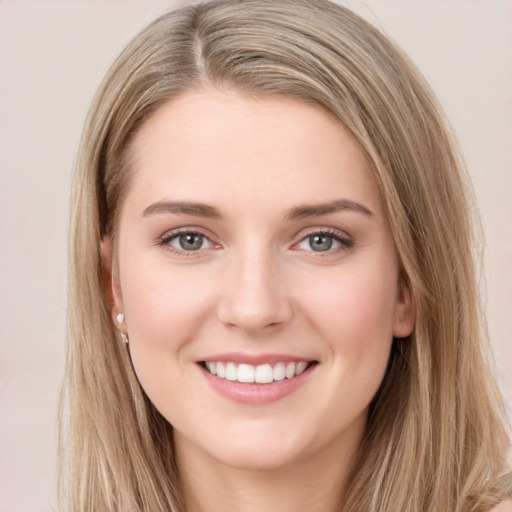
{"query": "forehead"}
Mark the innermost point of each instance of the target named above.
(232, 150)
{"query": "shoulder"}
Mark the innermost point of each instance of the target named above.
(504, 506)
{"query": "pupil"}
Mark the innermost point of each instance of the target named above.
(191, 241)
(320, 242)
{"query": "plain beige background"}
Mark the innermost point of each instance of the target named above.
(53, 55)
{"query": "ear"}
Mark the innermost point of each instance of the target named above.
(110, 282)
(405, 310)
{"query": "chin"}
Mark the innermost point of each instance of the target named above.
(250, 457)
(249, 448)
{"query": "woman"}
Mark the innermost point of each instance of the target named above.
(272, 291)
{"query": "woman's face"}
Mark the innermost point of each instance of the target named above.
(253, 244)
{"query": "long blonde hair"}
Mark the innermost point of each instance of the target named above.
(435, 439)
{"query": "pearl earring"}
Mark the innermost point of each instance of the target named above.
(120, 320)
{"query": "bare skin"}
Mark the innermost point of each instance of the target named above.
(505, 506)
(253, 234)
(312, 484)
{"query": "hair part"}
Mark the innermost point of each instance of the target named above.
(435, 438)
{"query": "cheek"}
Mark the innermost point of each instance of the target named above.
(164, 309)
(354, 307)
(353, 313)
(159, 295)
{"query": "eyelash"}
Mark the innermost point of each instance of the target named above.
(344, 241)
(165, 241)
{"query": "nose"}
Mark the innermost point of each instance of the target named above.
(254, 294)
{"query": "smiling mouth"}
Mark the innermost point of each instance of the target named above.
(258, 374)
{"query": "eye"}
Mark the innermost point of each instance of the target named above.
(324, 242)
(188, 241)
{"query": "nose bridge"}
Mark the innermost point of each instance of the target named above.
(254, 295)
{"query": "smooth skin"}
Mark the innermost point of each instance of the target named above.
(286, 250)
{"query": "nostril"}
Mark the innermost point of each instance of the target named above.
(254, 299)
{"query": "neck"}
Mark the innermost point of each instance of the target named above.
(315, 483)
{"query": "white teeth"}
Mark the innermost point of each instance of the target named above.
(279, 371)
(262, 374)
(290, 370)
(231, 371)
(221, 370)
(245, 373)
(300, 367)
(212, 367)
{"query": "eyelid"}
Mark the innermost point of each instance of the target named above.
(165, 239)
(175, 240)
(345, 240)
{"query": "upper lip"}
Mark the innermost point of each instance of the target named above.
(254, 359)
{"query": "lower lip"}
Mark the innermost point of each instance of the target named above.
(256, 394)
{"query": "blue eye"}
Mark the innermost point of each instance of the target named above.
(189, 241)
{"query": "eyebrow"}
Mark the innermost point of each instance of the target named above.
(296, 213)
(313, 210)
(182, 207)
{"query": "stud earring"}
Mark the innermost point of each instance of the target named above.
(120, 320)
